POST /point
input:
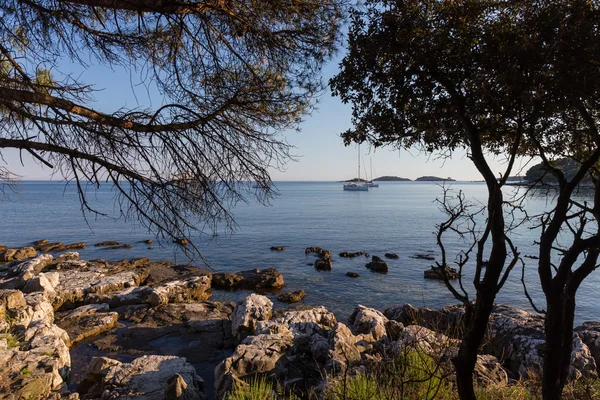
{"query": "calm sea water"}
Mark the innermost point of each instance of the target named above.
(397, 217)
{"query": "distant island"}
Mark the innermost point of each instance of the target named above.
(433, 179)
(391, 179)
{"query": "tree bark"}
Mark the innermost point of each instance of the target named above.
(558, 329)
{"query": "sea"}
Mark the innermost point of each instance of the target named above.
(396, 217)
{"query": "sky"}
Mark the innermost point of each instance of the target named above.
(318, 147)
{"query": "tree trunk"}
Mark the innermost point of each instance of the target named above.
(558, 329)
(474, 332)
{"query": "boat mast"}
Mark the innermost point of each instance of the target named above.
(359, 162)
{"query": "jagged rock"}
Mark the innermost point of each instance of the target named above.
(150, 378)
(438, 273)
(414, 337)
(489, 371)
(352, 274)
(178, 389)
(392, 256)
(40, 283)
(40, 364)
(300, 322)
(293, 297)
(195, 288)
(518, 337)
(343, 350)
(589, 332)
(17, 254)
(323, 265)
(368, 321)
(263, 353)
(247, 313)
(254, 279)
(68, 256)
(447, 319)
(378, 265)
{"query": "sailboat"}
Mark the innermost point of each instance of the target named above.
(357, 186)
(370, 182)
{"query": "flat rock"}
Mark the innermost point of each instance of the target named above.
(87, 326)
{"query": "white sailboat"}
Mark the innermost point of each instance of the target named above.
(357, 186)
(370, 182)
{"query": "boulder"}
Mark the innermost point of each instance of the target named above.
(589, 333)
(247, 313)
(323, 265)
(518, 337)
(292, 297)
(343, 351)
(150, 378)
(368, 321)
(301, 323)
(439, 272)
(378, 265)
(260, 354)
(225, 280)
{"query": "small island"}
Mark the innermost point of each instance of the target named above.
(433, 179)
(391, 179)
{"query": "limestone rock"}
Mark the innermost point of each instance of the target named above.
(89, 325)
(247, 313)
(489, 371)
(263, 353)
(369, 321)
(17, 254)
(150, 378)
(300, 322)
(195, 288)
(343, 350)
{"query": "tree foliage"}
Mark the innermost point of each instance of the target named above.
(512, 78)
(232, 76)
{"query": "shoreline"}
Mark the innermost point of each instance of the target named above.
(114, 318)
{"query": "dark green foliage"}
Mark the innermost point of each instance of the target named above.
(541, 173)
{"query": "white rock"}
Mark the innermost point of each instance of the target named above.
(247, 313)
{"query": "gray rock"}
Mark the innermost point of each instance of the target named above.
(369, 321)
(247, 313)
(150, 378)
(195, 288)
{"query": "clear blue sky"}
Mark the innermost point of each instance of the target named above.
(320, 150)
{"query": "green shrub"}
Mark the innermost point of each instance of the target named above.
(257, 389)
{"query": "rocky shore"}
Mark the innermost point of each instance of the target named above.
(141, 329)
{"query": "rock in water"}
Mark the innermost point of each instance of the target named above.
(352, 274)
(392, 256)
(438, 273)
(378, 265)
(293, 297)
(323, 265)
